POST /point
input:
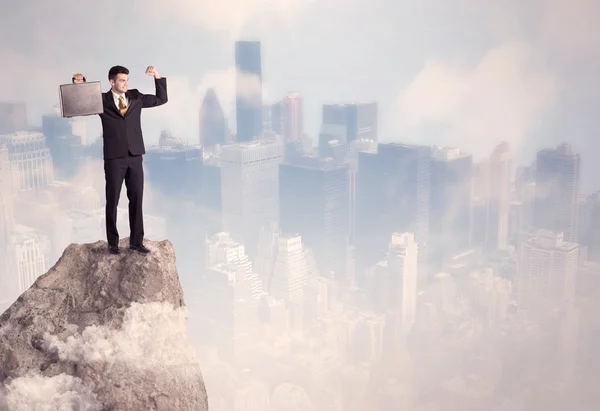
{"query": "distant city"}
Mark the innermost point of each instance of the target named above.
(337, 272)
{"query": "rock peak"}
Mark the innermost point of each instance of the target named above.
(107, 329)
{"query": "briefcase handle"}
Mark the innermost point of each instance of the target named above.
(73, 80)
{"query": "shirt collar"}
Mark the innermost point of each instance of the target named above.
(116, 96)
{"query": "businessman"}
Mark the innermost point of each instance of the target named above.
(123, 150)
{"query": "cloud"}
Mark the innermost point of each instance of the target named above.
(570, 27)
(228, 82)
(137, 345)
(23, 82)
(231, 16)
(181, 114)
(35, 392)
(45, 52)
(502, 97)
(224, 84)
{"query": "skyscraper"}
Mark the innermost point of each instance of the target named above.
(547, 272)
(248, 90)
(272, 118)
(229, 290)
(292, 269)
(402, 260)
(293, 273)
(313, 201)
(30, 160)
(31, 249)
(451, 198)
(175, 170)
(392, 195)
(557, 186)
(354, 148)
(499, 198)
(292, 117)
(249, 189)
(213, 125)
(348, 122)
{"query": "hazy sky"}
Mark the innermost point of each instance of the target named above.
(462, 72)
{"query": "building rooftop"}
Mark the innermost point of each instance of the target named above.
(22, 135)
(447, 153)
(551, 240)
(174, 149)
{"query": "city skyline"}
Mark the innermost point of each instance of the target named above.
(411, 50)
(411, 230)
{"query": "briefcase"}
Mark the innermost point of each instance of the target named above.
(81, 99)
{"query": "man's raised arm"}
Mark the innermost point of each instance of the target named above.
(149, 100)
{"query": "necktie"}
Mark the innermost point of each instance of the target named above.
(122, 106)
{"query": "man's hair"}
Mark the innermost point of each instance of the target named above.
(115, 71)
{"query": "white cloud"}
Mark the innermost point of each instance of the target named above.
(137, 343)
(181, 114)
(502, 97)
(225, 84)
(571, 26)
(153, 337)
(61, 392)
(227, 15)
(230, 16)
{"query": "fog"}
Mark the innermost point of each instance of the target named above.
(454, 316)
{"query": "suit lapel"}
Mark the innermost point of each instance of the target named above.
(110, 102)
(132, 102)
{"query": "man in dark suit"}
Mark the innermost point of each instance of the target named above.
(123, 150)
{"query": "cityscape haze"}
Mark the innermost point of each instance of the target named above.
(375, 205)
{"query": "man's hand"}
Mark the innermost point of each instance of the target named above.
(151, 71)
(78, 78)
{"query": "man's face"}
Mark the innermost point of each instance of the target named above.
(119, 84)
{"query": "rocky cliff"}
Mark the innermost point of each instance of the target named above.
(101, 332)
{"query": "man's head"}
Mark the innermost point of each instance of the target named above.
(118, 76)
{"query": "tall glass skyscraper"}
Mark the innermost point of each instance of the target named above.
(392, 195)
(314, 202)
(557, 186)
(248, 90)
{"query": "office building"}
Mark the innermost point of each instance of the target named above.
(30, 160)
(214, 129)
(392, 195)
(450, 204)
(249, 189)
(314, 202)
(348, 122)
(499, 198)
(248, 90)
(557, 188)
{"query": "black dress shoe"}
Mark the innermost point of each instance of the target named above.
(113, 249)
(139, 248)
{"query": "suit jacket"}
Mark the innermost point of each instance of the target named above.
(122, 135)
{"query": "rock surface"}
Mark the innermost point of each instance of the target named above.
(101, 332)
